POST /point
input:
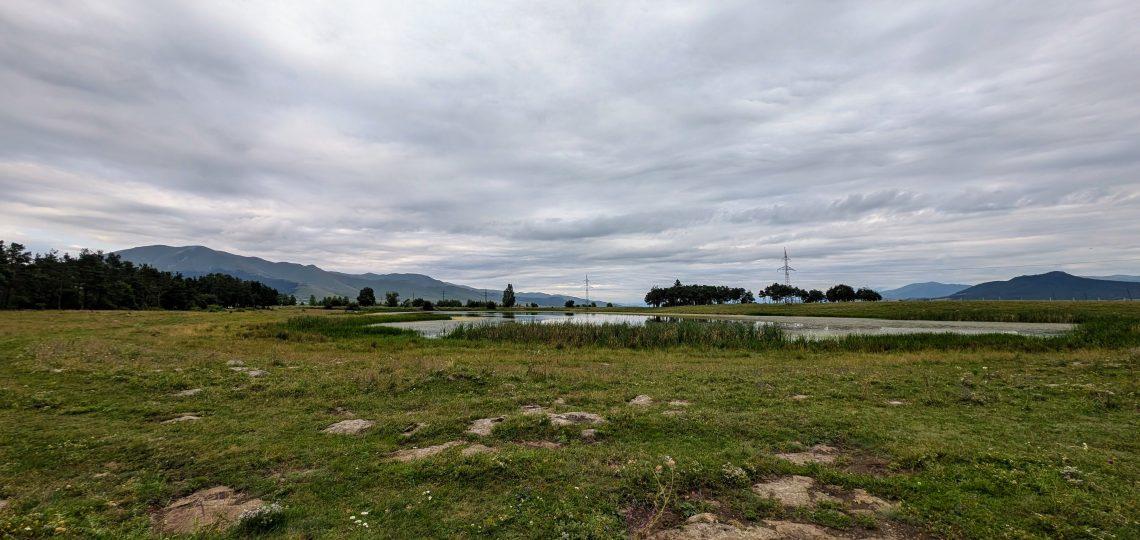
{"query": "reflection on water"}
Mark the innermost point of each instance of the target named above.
(811, 327)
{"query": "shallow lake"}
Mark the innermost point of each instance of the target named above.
(811, 327)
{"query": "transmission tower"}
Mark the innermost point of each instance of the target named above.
(787, 269)
(587, 291)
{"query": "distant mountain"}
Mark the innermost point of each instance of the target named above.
(1134, 279)
(304, 280)
(1051, 286)
(922, 291)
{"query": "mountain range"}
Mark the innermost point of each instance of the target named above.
(1050, 286)
(305, 280)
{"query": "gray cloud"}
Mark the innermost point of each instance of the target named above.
(640, 142)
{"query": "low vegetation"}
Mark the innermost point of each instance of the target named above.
(341, 326)
(111, 417)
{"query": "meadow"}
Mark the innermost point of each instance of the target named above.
(966, 437)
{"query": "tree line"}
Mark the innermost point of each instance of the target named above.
(699, 295)
(696, 295)
(96, 280)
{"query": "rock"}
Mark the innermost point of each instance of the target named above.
(896, 403)
(702, 518)
(477, 449)
(548, 445)
(232, 363)
(215, 508)
(679, 403)
(257, 373)
(413, 454)
(864, 502)
(484, 426)
(560, 401)
(798, 531)
(532, 410)
(349, 427)
(412, 429)
(641, 401)
(796, 491)
(589, 434)
(819, 453)
(715, 531)
(799, 397)
(188, 393)
(239, 369)
(3, 504)
(573, 418)
(183, 418)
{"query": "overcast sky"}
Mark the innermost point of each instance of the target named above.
(881, 142)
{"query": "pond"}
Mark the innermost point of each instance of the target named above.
(810, 327)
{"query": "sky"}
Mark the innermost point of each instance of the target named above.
(880, 143)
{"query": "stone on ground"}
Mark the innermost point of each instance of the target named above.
(484, 426)
(477, 449)
(573, 418)
(232, 363)
(589, 434)
(257, 373)
(183, 418)
(680, 403)
(532, 410)
(349, 427)
(796, 491)
(865, 503)
(769, 530)
(215, 508)
(702, 518)
(413, 454)
(799, 397)
(188, 393)
(896, 403)
(819, 453)
(3, 504)
(560, 401)
(641, 400)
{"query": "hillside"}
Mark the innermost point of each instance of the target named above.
(922, 291)
(1050, 286)
(304, 280)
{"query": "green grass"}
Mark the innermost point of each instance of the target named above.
(341, 325)
(982, 310)
(992, 442)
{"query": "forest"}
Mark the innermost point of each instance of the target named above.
(97, 280)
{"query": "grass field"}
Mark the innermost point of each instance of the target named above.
(995, 311)
(983, 441)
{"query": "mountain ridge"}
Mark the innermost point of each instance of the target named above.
(304, 280)
(1054, 285)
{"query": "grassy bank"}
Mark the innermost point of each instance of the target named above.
(984, 442)
(976, 310)
(340, 325)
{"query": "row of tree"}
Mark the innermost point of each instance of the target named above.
(94, 280)
(779, 292)
(696, 295)
(699, 295)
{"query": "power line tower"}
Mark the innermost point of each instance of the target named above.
(587, 292)
(787, 269)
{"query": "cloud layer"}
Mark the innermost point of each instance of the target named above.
(881, 143)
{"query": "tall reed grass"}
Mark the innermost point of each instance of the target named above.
(1109, 332)
(342, 326)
